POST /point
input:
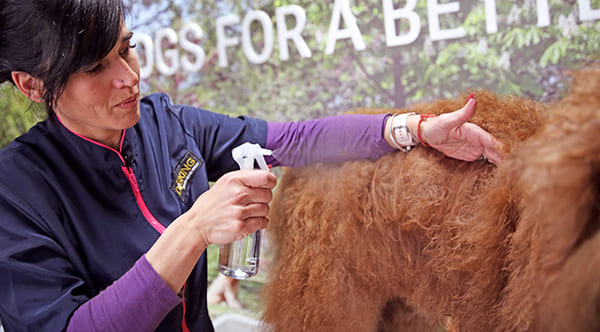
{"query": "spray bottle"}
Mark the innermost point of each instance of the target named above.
(239, 259)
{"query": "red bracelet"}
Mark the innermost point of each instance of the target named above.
(423, 117)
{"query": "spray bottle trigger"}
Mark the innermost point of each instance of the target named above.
(247, 153)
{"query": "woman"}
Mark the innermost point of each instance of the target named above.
(105, 208)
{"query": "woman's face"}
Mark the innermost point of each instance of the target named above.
(103, 99)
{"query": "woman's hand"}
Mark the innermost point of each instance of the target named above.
(235, 206)
(451, 134)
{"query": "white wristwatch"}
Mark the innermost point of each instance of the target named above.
(399, 132)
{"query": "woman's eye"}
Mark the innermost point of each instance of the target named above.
(125, 51)
(94, 69)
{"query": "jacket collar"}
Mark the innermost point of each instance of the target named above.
(94, 153)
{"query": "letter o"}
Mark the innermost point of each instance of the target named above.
(267, 27)
(142, 39)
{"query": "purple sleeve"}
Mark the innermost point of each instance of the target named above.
(138, 301)
(332, 139)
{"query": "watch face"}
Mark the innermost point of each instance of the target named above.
(402, 135)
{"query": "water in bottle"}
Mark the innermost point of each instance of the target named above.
(239, 259)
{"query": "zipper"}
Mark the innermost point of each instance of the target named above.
(140, 200)
(130, 176)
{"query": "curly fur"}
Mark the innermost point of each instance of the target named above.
(416, 241)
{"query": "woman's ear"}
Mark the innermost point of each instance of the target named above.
(30, 86)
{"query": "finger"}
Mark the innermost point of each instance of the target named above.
(247, 195)
(490, 148)
(493, 156)
(457, 118)
(255, 223)
(255, 210)
(259, 195)
(257, 179)
(242, 195)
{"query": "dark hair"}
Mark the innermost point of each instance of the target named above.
(52, 39)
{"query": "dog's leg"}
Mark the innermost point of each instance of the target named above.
(397, 317)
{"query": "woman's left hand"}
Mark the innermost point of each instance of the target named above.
(452, 134)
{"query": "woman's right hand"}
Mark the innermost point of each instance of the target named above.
(235, 206)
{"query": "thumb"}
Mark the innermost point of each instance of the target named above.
(257, 178)
(457, 118)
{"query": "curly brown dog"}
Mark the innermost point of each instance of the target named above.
(417, 241)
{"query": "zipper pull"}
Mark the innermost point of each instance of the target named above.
(127, 158)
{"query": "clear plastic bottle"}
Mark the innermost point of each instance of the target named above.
(239, 259)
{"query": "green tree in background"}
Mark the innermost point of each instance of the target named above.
(16, 114)
(520, 58)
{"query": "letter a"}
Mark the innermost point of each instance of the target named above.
(341, 7)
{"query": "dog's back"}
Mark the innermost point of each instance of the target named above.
(435, 237)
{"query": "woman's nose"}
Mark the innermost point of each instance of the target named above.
(126, 76)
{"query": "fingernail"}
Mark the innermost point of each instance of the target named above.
(471, 96)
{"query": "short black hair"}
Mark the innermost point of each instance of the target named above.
(52, 39)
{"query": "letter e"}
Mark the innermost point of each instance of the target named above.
(586, 13)
(435, 9)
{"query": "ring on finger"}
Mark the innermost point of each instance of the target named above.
(483, 156)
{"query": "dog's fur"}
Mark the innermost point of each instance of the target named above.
(415, 241)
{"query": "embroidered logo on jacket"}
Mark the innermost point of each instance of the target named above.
(183, 173)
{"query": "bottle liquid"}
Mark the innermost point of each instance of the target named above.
(239, 259)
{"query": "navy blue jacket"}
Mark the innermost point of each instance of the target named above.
(70, 223)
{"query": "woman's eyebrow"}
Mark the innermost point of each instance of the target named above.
(127, 37)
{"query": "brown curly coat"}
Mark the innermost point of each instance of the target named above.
(415, 241)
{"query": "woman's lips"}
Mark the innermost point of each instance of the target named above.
(129, 102)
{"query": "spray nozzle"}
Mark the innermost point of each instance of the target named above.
(245, 155)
